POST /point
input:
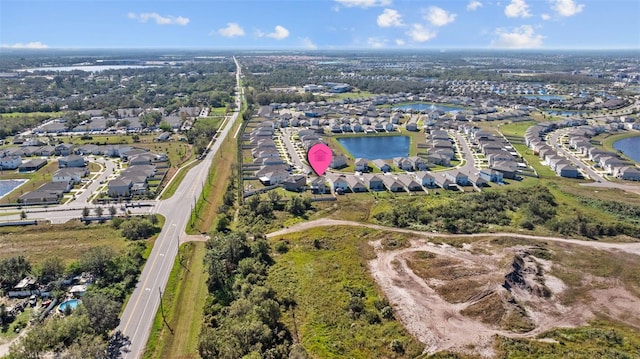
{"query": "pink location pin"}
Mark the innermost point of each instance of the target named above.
(320, 157)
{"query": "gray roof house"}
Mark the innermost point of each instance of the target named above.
(71, 161)
(356, 185)
(119, 187)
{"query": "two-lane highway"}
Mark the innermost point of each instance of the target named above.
(140, 312)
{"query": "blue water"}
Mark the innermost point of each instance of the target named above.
(72, 304)
(630, 147)
(7, 186)
(544, 97)
(428, 107)
(378, 147)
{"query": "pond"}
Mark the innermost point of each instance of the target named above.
(376, 147)
(630, 147)
(7, 186)
(428, 107)
(545, 97)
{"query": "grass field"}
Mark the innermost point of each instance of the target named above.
(183, 302)
(321, 271)
(67, 241)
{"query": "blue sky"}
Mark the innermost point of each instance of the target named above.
(321, 24)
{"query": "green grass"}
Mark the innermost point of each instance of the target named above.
(354, 94)
(8, 333)
(32, 114)
(217, 111)
(183, 301)
(67, 241)
(516, 129)
(318, 272)
(35, 180)
(601, 339)
(177, 179)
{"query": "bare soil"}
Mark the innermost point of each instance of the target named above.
(458, 299)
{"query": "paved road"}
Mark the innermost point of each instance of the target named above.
(140, 312)
(600, 181)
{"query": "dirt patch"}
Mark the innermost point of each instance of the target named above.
(456, 299)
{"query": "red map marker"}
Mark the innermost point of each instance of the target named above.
(320, 157)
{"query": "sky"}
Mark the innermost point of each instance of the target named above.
(320, 24)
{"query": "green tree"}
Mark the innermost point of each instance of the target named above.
(85, 212)
(51, 269)
(102, 312)
(12, 270)
(98, 260)
(99, 211)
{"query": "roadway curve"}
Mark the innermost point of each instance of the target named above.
(140, 311)
(633, 248)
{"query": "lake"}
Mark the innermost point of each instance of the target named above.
(545, 97)
(428, 107)
(7, 186)
(630, 147)
(376, 147)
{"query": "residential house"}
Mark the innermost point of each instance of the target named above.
(318, 185)
(425, 179)
(361, 165)
(567, 170)
(64, 149)
(71, 161)
(72, 175)
(374, 182)
(628, 173)
(119, 187)
(356, 185)
(392, 184)
(458, 177)
(32, 165)
(409, 183)
(274, 177)
(37, 197)
(338, 161)
(338, 182)
(491, 175)
(403, 163)
(381, 165)
(10, 162)
(295, 183)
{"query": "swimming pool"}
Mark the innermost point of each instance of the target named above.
(71, 304)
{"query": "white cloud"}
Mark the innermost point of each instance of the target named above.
(279, 33)
(473, 5)
(523, 37)
(159, 19)
(364, 3)
(419, 33)
(376, 42)
(390, 18)
(232, 30)
(545, 17)
(307, 43)
(400, 42)
(517, 8)
(439, 17)
(566, 7)
(28, 45)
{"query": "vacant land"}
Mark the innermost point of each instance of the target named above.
(338, 310)
(67, 241)
(484, 296)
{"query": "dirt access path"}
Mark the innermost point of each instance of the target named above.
(633, 248)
